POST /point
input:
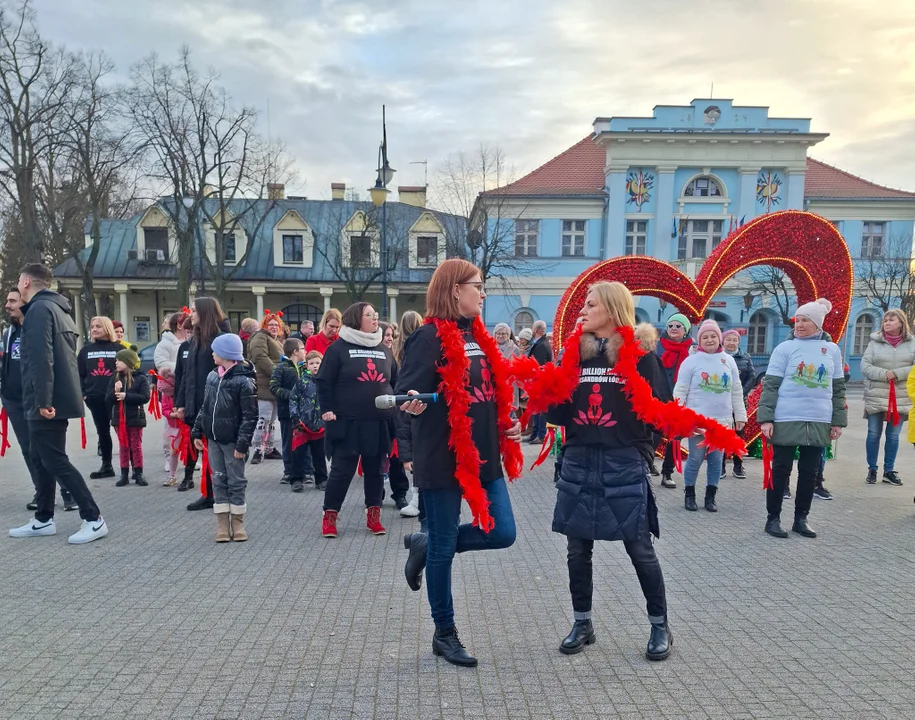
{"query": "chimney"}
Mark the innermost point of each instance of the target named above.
(414, 195)
(276, 191)
(338, 191)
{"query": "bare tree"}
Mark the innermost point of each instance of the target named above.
(771, 282)
(887, 278)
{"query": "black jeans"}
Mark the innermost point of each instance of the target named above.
(101, 417)
(400, 483)
(49, 453)
(667, 467)
(342, 469)
(286, 436)
(641, 553)
(318, 459)
(808, 465)
(21, 430)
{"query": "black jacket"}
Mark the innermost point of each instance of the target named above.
(96, 368)
(228, 413)
(11, 365)
(195, 363)
(746, 370)
(136, 397)
(48, 349)
(541, 350)
(282, 383)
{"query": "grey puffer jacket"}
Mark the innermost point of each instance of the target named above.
(879, 357)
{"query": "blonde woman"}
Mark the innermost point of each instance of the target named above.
(330, 327)
(96, 368)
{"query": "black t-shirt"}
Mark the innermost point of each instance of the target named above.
(599, 413)
(11, 388)
(433, 461)
(96, 367)
(352, 376)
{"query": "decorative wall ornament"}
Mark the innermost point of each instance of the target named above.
(638, 185)
(768, 189)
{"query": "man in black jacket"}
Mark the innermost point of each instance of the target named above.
(51, 396)
(541, 351)
(11, 393)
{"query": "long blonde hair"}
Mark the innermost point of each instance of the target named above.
(904, 321)
(410, 322)
(107, 326)
(617, 301)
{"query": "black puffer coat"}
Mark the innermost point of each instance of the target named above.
(135, 399)
(746, 370)
(229, 411)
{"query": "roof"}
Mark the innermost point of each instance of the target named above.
(580, 171)
(826, 181)
(577, 171)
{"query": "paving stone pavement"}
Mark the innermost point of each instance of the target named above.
(156, 621)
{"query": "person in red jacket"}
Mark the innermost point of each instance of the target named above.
(330, 326)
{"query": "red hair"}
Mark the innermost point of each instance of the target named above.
(268, 316)
(441, 301)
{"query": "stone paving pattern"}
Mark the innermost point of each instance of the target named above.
(156, 621)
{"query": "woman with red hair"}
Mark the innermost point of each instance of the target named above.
(265, 350)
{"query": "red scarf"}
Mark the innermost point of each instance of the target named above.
(453, 373)
(675, 353)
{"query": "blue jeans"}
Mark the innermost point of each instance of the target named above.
(538, 426)
(448, 536)
(875, 423)
(697, 454)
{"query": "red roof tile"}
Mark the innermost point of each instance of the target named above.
(826, 181)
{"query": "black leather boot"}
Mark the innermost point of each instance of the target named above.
(188, 482)
(446, 644)
(416, 560)
(801, 527)
(710, 493)
(201, 503)
(138, 477)
(660, 642)
(125, 478)
(689, 498)
(105, 471)
(774, 527)
(582, 634)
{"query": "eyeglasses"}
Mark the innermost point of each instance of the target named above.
(478, 285)
(371, 315)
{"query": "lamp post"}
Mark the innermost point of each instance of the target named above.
(379, 195)
(662, 306)
(748, 300)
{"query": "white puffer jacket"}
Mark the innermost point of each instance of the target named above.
(879, 357)
(165, 358)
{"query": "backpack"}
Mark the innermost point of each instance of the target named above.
(303, 403)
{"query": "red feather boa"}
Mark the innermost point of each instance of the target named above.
(552, 385)
(453, 373)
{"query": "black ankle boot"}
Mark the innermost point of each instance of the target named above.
(801, 527)
(125, 478)
(689, 498)
(188, 481)
(201, 503)
(138, 477)
(582, 634)
(774, 527)
(710, 493)
(416, 560)
(105, 471)
(660, 642)
(446, 644)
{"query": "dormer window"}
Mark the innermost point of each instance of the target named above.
(293, 242)
(228, 240)
(702, 187)
(156, 238)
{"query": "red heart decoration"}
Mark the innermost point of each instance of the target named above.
(805, 246)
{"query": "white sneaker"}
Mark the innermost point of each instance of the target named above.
(91, 530)
(34, 528)
(412, 508)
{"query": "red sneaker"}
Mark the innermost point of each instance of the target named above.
(329, 526)
(373, 521)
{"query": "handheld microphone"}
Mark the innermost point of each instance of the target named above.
(385, 402)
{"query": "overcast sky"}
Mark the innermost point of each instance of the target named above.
(530, 75)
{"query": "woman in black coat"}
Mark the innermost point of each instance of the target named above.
(356, 369)
(96, 368)
(195, 362)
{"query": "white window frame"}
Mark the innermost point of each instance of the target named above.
(292, 224)
(636, 242)
(573, 238)
(528, 233)
(713, 238)
(523, 313)
(864, 326)
(293, 235)
(709, 182)
(873, 239)
(754, 329)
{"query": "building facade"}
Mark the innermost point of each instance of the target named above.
(672, 186)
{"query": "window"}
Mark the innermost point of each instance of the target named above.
(864, 326)
(156, 238)
(235, 318)
(700, 238)
(702, 187)
(527, 234)
(573, 238)
(427, 251)
(293, 249)
(872, 240)
(756, 334)
(636, 236)
(523, 319)
(360, 251)
(228, 242)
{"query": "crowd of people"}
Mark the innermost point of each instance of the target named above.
(624, 394)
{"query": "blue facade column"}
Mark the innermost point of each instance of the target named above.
(747, 207)
(616, 213)
(795, 192)
(664, 215)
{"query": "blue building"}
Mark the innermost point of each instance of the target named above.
(672, 186)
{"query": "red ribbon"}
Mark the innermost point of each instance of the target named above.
(122, 426)
(394, 450)
(892, 412)
(767, 455)
(4, 432)
(204, 465)
(359, 468)
(548, 440)
(154, 408)
(183, 444)
(677, 454)
(82, 432)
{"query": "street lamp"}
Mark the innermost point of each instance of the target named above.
(379, 193)
(662, 306)
(747, 304)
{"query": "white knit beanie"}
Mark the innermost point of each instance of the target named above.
(816, 311)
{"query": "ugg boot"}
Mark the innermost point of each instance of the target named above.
(710, 493)
(412, 508)
(373, 521)
(223, 530)
(329, 524)
(689, 498)
(138, 477)
(238, 527)
(125, 478)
